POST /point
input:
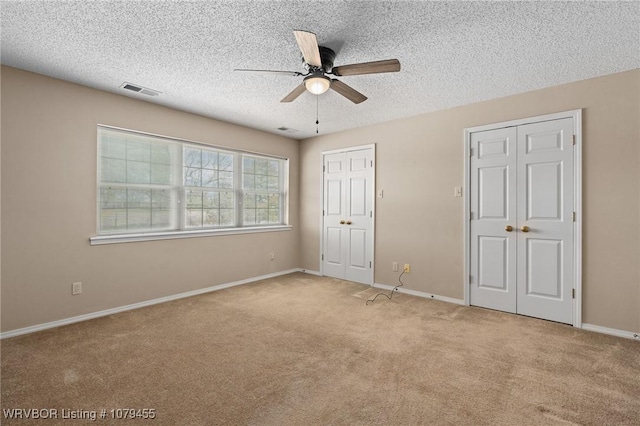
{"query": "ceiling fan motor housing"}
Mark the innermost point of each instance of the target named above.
(327, 56)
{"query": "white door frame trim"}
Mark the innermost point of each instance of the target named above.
(373, 203)
(577, 201)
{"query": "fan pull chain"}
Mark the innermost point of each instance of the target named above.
(317, 121)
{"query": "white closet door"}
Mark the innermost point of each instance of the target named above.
(334, 244)
(522, 219)
(545, 208)
(348, 215)
(493, 211)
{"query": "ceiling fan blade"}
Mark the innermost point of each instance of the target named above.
(308, 44)
(347, 91)
(388, 65)
(291, 73)
(294, 93)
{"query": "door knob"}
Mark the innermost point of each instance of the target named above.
(348, 222)
(508, 228)
(342, 222)
(525, 229)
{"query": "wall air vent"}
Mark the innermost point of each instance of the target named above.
(139, 89)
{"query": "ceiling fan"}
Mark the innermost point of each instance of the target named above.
(318, 62)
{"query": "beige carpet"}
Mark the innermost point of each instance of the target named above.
(304, 350)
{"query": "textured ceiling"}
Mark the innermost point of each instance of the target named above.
(452, 53)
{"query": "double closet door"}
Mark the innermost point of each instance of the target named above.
(522, 219)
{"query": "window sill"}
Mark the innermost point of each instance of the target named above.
(172, 235)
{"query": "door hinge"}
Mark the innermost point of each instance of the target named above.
(470, 215)
(371, 214)
(470, 152)
(322, 212)
(573, 139)
(470, 279)
(371, 163)
(369, 264)
(573, 293)
(323, 257)
(573, 216)
(323, 168)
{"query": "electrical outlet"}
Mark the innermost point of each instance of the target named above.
(394, 266)
(76, 288)
(272, 256)
(407, 268)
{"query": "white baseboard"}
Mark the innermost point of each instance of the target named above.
(85, 317)
(611, 331)
(589, 327)
(420, 294)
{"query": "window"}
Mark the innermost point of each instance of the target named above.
(261, 182)
(150, 184)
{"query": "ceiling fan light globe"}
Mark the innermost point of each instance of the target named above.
(317, 84)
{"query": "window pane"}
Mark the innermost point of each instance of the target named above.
(194, 218)
(113, 147)
(261, 166)
(210, 178)
(160, 199)
(273, 183)
(227, 217)
(225, 162)
(261, 183)
(274, 216)
(211, 200)
(114, 170)
(262, 201)
(192, 177)
(226, 180)
(226, 200)
(139, 219)
(210, 217)
(161, 174)
(248, 164)
(113, 198)
(138, 198)
(138, 150)
(262, 216)
(113, 220)
(161, 153)
(249, 201)
(249, 216)
(274, 168)
(138, 172)
(248, 181)
(194, 199)
(209, 160)
(161, 219)
(192, 157)
(274, 201)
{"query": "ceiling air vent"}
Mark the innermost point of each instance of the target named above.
(286, 129)
(139, 89)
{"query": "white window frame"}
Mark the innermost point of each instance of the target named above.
(178, 214)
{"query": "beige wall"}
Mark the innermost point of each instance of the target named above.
(420, 160)
(49, 206)
(48, 183)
